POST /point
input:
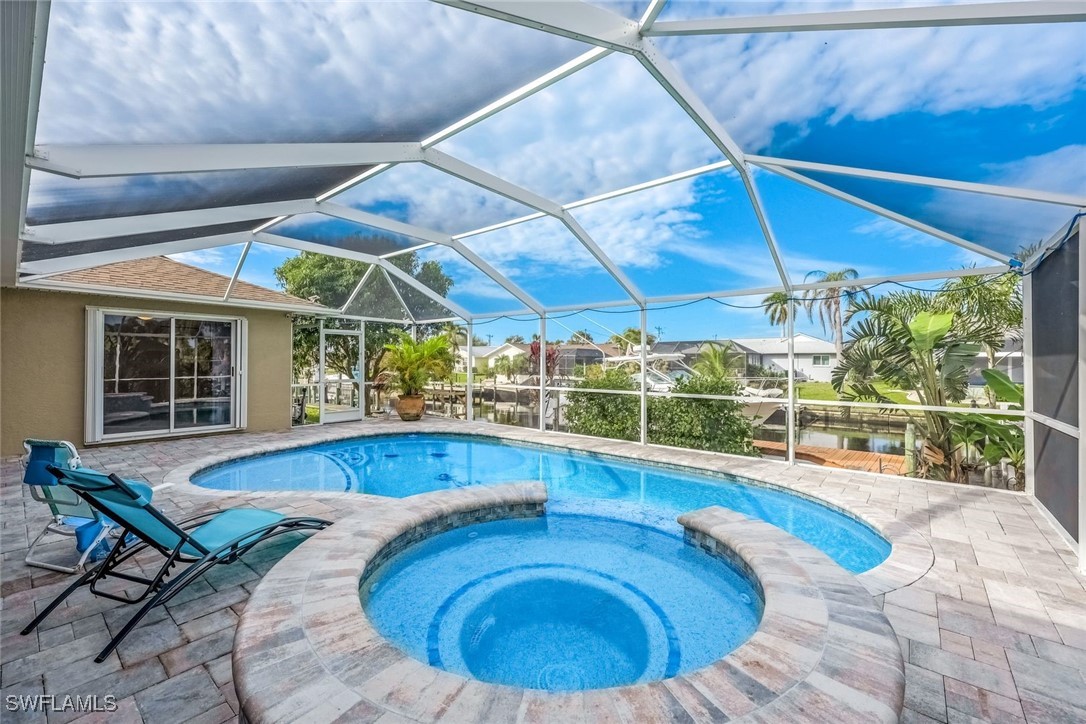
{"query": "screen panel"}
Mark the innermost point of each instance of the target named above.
(197, 72)
(606, 127)
(694, 235)
(818, 232)
(1055, 334)
(39, 252)
(343, 234)
(55, 199)
(421, 195)
(967, 103)
(548, 262)
(1004, 225)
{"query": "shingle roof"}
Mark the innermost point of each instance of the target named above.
(162, 274)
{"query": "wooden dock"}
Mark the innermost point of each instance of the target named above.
(836, 458)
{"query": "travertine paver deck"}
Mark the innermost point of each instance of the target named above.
(994, 631)
(305, 648)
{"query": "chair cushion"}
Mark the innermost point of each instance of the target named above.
(229, 525)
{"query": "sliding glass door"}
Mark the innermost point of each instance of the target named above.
(156, 373)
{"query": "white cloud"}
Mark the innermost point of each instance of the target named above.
(754, 83)
(608, 126)
(213, 72)
(432, 199)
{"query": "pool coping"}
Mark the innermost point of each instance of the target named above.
(304, 648)
(911, 555)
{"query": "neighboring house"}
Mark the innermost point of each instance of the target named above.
(484, 357)
(574, 357)
(571, 357)
(144, 349)
(1009, 359)
(815, 358)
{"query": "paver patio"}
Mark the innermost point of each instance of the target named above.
(995, 630)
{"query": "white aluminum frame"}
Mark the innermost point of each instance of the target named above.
(94, 389)
(353, 414)
(607, 32)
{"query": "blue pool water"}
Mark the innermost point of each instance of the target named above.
(563, 602)
(403, 465)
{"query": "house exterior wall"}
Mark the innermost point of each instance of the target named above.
(804, 366)
(43, 347)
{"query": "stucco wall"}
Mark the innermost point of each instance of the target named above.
(43, 336)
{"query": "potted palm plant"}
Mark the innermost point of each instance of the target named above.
(413, 364)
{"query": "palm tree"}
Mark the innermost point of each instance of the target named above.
(827, 301)
(992, 303)
(630, 337)
(780, 308)
(718, 360)
(905, 341)
(581, 336)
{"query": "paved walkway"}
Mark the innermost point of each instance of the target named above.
(994, 631)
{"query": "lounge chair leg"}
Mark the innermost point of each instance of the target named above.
(82, 580)
(164, 594)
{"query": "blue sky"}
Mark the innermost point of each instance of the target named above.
(1003, 105)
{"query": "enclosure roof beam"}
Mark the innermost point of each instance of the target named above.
(1010, 192)
(568, 18)
(672, 81)
(382, 222)
(888, 214)
(124, 160)
(24, 28)
(477, 176)
(59, 265)
(300, 245)
(652, 12)
(73, 231)
(358, 288)
(509, 99)
(399, 297)
(431, 237)
(994, 13)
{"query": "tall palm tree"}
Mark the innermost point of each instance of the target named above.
(827, 301)
(779, 307)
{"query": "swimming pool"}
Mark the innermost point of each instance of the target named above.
(562, 603)
(403, 465)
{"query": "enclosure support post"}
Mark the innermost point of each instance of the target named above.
(469, 390)
(1081, 399)
(543, 372)
(320, 374)
(1027, 378)
(644, 378)
(790, 427)
(363, 394)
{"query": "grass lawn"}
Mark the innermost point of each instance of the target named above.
(825, 391)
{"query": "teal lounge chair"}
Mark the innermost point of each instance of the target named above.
(201, 542)
(72, 516)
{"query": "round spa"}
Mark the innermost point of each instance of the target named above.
(563, 602)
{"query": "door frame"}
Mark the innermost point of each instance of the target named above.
(352, 415)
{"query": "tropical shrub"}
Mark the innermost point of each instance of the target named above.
(716, 425)
(902, 341)
(413, 364)
(604, 415)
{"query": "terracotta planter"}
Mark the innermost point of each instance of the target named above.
(410, 407)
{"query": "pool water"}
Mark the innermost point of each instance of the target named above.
(403, 465)
(563, 602)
